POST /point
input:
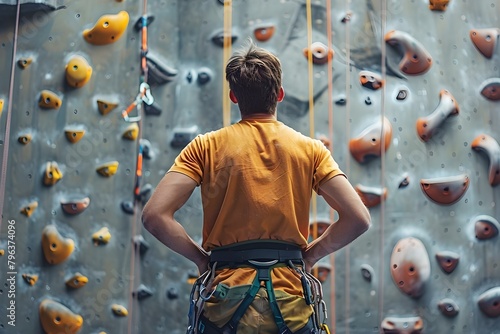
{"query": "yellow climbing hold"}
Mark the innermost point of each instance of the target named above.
(24, 139)
(52, 174)
(108, 169)
(2, 252)
(29, 209)
(56, 248)
(74, 135)
(24, 62)
(1, 107)
(101, 237)
(77, 281)
(31, 279)
(57, 318)
(106, 107)
(119, 310)
(78, 71)
(131, 132)
(108, 29)
(49, 100)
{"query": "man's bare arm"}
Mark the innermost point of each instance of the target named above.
(158, 217)
(354, 220)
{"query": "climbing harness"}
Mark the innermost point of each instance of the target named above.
(263, 256)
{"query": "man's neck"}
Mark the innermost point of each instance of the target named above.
(265, 116)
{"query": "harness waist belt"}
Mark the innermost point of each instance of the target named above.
(256, 250)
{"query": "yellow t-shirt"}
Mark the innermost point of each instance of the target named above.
(256, 178)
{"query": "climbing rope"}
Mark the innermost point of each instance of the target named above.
(226, 102)
(5, 157)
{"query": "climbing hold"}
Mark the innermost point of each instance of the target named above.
(485, 40)
(1, 107)
(402, 94)
(119, 310)
(140, 242)
(52, 174)
(264, 33)
(439, 5)
(108, 29)
(172, 293)
(371, 196)
(490, 89)
(77, 281)
(323, 270)
(152, 109)
(57, 318)
(448, 307)
(145, 193)
(341, 100)
(78, 71)
(158, 71)
(101, 237)
(402, 325)
(448, 106)
(368, 101)
(29, 208)
(74, 135)
(139, 24)
(56, 248)
(106, 107)
(219, 37)
(320, 226)
(131, 132)
(347, 17)
(75, 207)
(369, 143)
(486, 227)
(371, 80)
(182, 136)
(410, 266)
(367, 272)
(416, 60)
(321, 54)
(31, 279)
(24, 62)
(128, 207)
(447, 260)
(489, 302)
(2, 252)
(142, 292)
(49, 100)
(445, 190)
(108, 169)
(24, 139)
(488, 145)
(147, 151)
(405, 182)
(204, 75)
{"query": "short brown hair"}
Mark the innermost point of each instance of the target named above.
(254, 76)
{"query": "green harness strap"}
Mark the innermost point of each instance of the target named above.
(263, 274)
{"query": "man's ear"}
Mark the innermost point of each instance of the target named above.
(281, 94)
(232, 97)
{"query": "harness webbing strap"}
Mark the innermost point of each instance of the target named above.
(240, 311)
(278, 318)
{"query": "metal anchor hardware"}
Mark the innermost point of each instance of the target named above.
(145, 96)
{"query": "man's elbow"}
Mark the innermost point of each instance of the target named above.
(148, 219)
(364, 221)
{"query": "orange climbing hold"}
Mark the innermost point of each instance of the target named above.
(31, 279)
(321, 54)
(78, 71)
(439, 5)
(323, 270)
(108, 29)
(49, 100)
(371, 196)
(490, 89)
(75, 207)
(445, 190)
(106, 107)
(264, 33)
(416, 60)
(25, 138)
(371, 80)
(448, 106)
(402, 325)
(488, 145)
(29, 209)
(369, 142)
(77, 281)
(74, 135)
(57, 318)
(485, 40)
(55, 247)
(410, 266)
(24, 62)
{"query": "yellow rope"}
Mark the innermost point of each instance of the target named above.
(226, 102)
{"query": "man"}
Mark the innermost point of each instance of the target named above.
(256, 179)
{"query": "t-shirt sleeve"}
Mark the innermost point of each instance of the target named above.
(190, 161)
(325, 166)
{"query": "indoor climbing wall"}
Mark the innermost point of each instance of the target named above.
(405, 93)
